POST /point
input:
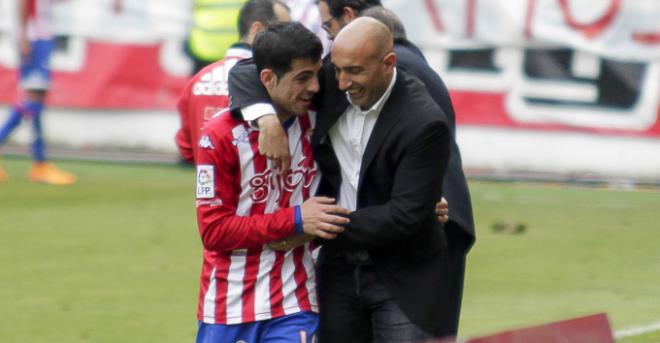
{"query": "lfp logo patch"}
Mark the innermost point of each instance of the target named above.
(205, 181)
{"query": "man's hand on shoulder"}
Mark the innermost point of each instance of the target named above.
(273, 142)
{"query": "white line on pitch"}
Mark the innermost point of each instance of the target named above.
(637, 330)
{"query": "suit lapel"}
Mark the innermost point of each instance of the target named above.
(387, 119)
(327, 116)
(333, 106)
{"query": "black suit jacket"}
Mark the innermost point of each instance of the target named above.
(398, 187)
(455, 188)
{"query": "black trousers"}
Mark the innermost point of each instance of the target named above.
(454, 269)
(356, 307)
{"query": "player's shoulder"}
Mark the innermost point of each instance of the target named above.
(222, 123)
(219, 133)
(213, 72)
(208, 71)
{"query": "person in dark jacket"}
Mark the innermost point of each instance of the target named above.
(460, 228)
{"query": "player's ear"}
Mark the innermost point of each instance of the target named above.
(268, 78)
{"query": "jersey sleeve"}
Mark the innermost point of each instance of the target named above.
(183, 136)
(218, 193)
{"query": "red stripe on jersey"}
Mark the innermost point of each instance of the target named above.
(305, 126)
(249, 282)
(204, 286)
(252, 261)
(276, 294)
(221, 273)
(260, 164)
(300, 275)
(285, 194)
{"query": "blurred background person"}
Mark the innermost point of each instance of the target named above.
(35, 45)
(206, 93)
(307, 13)
(213, 30)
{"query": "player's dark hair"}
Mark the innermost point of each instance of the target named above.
(337, 6)
(257, 11)
(276, 47)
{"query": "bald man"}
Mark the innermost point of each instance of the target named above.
(459, 229)
(380, 142)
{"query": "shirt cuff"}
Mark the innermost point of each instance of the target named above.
(256, 111)
(298, 223)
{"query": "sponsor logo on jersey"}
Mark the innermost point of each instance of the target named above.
(212, 203)
(268, 181)
(205, 142)
(210, 88)
(205, 182)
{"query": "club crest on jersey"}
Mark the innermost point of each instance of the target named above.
(243, 137)
(205, 182)
(205, 142)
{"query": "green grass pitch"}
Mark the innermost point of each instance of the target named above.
(116, 257)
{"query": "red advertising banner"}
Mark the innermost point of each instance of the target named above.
(560, 65)
(111, 76)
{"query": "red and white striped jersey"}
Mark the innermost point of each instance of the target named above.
(39, 19)
(243, 204)
(203, 96)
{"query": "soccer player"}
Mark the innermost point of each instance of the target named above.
(459, 229)
(206, 93)
(249, 291)
(36, 45)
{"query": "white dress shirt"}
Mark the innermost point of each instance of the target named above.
(349, 137)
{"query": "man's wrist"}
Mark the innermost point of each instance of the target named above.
(297, 219)
(263, 121)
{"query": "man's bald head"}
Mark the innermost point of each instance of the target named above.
(365, 34)
(364, 60)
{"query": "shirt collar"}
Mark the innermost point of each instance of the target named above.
(239, 50)
(378, 106)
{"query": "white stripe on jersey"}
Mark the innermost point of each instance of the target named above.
(295, 146)
(290, 302)
(272, 203)
(209, 298)
(308, 262)
(235, 287)
(246, 155)
(262, 289)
